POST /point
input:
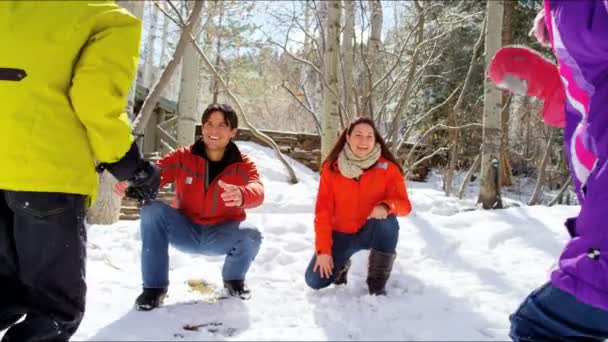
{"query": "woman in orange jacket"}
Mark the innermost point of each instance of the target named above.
(361, 191)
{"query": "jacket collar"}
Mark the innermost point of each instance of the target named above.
(231, 155)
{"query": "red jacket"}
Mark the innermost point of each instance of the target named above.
(200, 199)
(344, 204)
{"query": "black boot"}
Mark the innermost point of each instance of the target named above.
(341, 278)
(150, 298)
(237, 288)
(379, 269)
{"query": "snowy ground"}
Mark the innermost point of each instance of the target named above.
(458, 275)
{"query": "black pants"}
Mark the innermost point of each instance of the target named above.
(42, 265)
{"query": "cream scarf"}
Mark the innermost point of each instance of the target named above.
(352, 166)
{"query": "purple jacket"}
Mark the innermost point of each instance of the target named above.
(579, 33)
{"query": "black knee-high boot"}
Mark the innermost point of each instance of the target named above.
(379, 270)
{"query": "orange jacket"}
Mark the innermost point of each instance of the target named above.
(344, 204)
(197, 197)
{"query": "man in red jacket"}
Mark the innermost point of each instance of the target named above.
(214, 184)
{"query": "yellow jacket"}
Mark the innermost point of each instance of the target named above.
(65, 71)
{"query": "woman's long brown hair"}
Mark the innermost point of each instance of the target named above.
(385, 152)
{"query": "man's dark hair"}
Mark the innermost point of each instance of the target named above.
(230, 117)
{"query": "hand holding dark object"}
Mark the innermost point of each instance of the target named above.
(143, 177)
(127, 165)
(145, 183)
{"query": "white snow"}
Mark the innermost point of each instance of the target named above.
(459, 273)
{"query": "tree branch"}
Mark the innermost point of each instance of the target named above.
(292, 176)
(147, 107)
(314, 115)
(155, 2)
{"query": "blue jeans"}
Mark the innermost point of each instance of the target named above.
(162, 225)
(381, 235)
(550, 314)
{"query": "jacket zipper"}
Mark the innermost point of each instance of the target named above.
(205, 189)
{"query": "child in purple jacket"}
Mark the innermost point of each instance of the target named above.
(573, 306)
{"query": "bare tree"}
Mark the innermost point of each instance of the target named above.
(192, 39)
(374, 44)
(456, 111)
(348, 56)
(149, 68)
(218, 49)
(489, 195)
(240, 110)
(187, 103)
(164, 39)
(540, 180)
(411, 78)
(507, 39)
(467, 177)
(331, 115)
(150, 102)
(561, 192)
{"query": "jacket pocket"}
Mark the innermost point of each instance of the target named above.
(9, 74)
(41, 205)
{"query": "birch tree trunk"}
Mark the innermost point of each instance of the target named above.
(540, 180)
(218, 56)
(489, 194)
(149, 68)
(187, 103)
(507, 39)
(374, 44)
(106, 209)
(155, 93)
(348, 57)
(331, 115)
(163, 40)
(313, 85)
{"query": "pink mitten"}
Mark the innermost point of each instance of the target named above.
(524, 71)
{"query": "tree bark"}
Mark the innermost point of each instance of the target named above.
(187, 102)
(561, 192)
(149, 68)
(374, 44)
(467, 177)
(540, 180)
(156, 91)
(489, 195)
(164, 41)
(331, 116)
(348, 57)
(218, 57)
(507, 39)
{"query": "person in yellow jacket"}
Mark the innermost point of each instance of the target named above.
(65, 71)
